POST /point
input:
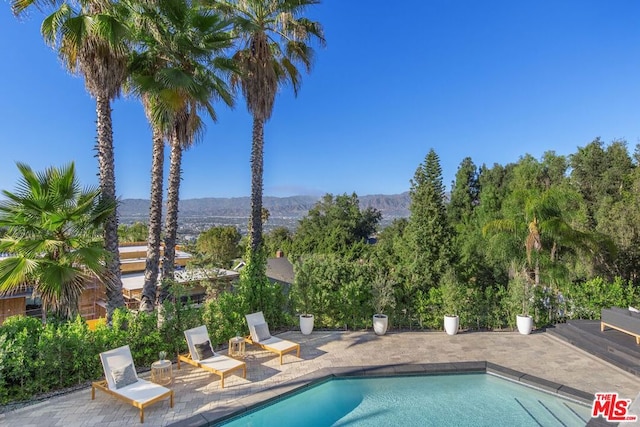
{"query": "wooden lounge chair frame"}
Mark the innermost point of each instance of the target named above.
(121, 357)
(274, 344)
(199, 335)
(622, 320)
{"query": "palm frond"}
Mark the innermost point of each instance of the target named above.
(498, 226)
(15, 271)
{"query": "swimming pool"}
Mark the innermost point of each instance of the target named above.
(437, 400)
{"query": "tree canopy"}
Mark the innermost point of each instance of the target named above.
(336, 225)
(218, 246)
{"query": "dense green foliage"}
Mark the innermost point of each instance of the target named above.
(534, 236)
(336, 290)
(218, 246)
(336, 225)
(278, 239)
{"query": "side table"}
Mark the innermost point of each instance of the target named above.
(237, 347)
(162, 372)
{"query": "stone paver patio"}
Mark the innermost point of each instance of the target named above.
(197, 391)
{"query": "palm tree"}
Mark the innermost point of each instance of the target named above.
(274, 38)
(53, 237)
(154, 239)
(188, 128)
(546, 225)
(177, 72)
(144, 66)
(90, 41)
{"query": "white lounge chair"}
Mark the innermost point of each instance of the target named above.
(260, 336)
(217, 363)
(121, 381)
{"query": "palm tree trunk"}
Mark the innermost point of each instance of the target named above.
(104, 147)
(257, 160)
(155, 224)
(171, 228)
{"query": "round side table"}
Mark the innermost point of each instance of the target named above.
(237, 346)
(162, 372)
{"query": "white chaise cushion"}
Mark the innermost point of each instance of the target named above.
(142, 391)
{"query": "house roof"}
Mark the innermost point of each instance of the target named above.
(135, 281)
(280, 269)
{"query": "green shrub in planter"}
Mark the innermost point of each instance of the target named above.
(453, 293)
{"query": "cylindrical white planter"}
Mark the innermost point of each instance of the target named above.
(451, 324)
(380, 323)
(306, 323)
(525, 324)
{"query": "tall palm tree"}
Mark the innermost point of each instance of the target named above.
(275, 38)
(90, 40)
(154, 239)
(177, 71)
(53, 237)
(188, 129)
(145, 64)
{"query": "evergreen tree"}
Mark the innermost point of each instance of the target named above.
(465, 193)
(428, 232)
(493, 185)
(586, 170)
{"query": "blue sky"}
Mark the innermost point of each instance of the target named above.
(491, 79)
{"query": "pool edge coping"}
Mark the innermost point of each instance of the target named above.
(280, 391)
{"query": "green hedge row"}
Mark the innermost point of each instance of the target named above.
(37, 358)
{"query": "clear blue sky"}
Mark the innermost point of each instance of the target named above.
(491, 79)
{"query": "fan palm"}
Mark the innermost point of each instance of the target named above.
(144, 66)
(53, 237)
(275, 38)
(177, 71)
(90, 41)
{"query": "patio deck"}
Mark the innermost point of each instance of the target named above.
(198, 397)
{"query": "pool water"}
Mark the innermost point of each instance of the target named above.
(438, 400)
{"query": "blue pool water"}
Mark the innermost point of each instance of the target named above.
(439, 400)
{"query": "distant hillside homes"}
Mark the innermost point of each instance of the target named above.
(295, 207)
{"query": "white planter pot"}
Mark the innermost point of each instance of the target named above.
(380, 323)
(306, 323)
(525, 324)
(451, 324)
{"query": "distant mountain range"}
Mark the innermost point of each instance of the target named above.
(391, 206)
